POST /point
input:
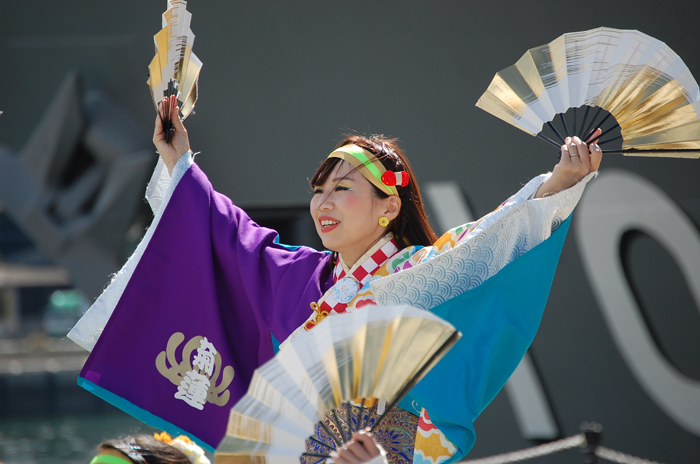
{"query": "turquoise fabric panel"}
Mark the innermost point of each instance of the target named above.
(498, 321)
(275, 343)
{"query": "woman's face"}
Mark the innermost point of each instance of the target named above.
(346, 212)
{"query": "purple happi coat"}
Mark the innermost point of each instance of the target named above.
(207, 271)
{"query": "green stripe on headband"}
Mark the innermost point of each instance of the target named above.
(366, 161)
(109, 459)
(372, 165)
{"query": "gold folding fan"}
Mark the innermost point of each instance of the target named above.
(174, 69)
(635, 78)
(372, 353)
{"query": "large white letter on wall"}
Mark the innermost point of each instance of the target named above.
(617, 202)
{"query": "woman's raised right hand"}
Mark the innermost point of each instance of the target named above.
(179, 143)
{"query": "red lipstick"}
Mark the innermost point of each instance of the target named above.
(331, 223)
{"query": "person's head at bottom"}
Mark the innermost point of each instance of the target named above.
(150, 449)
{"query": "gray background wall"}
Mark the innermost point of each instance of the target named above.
(282, 80)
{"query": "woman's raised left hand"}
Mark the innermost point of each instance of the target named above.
(577, 160)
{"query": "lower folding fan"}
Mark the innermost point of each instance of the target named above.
(346, 367)
(626, 74)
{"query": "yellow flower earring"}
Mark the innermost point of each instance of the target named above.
(383, 221)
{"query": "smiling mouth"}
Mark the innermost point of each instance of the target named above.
(327, 225)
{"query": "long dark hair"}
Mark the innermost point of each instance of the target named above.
(145, 449)
(411, 226)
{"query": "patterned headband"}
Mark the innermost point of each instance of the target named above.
(370, 167)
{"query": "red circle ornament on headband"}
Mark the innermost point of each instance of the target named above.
(393, 178)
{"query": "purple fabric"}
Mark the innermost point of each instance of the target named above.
(209, 271)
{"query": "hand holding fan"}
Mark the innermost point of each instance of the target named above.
(375, 352)
(174, 69)
(635, 78)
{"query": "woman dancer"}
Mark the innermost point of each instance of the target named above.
(206, 269)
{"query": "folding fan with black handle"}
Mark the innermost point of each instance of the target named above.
(638, 80)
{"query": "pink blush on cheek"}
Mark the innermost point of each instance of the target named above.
(351, 201)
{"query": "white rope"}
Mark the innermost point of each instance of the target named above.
(531, 453)
(557, 446)
(620, 458)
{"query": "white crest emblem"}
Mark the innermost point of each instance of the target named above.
(200, 379)
(345, 290)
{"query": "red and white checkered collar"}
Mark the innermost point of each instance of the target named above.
(375, 257)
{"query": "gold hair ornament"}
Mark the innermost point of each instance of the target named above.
(183, 443)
